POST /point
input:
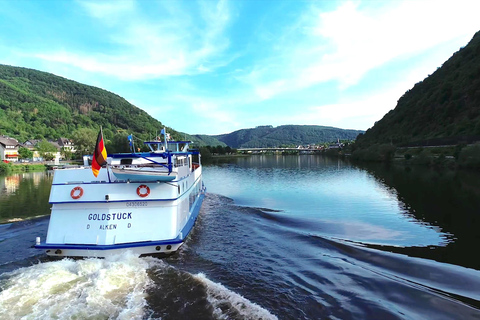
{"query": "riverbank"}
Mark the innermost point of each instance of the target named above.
(6, 168)
(12, 220)
(461, 156)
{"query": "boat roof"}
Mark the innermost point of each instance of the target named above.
(151, 154)
(169, 141)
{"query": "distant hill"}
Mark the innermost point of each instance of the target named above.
(206, 140)
(442, 109)
(37, 105)
(269, 136)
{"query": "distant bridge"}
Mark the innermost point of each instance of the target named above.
(277, 150)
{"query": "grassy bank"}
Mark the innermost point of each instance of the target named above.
(6, 168)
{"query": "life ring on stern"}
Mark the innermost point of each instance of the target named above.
(143, 190)
(76, 193)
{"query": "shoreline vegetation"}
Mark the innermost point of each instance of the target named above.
(13, 220)
(451, 156)
(7, 168)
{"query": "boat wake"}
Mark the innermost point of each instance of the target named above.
(230, 305)
(117, 287)
(69, 289)
(323, 276)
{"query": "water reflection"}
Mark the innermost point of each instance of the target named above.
(325, 197)
(24, 195)
(445, 199)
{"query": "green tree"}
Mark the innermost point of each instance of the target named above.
(46, 149)
(470, 156)
(25, 153)
(220, 150)
(66, 153)
(84, 140)
(5, 167)
(205, 152)
(119, 144)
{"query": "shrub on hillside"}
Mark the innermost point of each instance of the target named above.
(425, 157)
(5, 167)
(470, 157)
(375, 153)
(206, 154)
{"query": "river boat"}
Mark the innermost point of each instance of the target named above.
(145, 202)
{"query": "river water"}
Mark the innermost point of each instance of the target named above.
(278, 237)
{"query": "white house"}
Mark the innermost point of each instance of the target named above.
(66, 144)
(8, 149)
(60, 144)
(31, 145)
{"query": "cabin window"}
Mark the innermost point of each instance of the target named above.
(126, 161)
(180, 162)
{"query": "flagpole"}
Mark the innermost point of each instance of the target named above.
(133, 144)
(108, 174)
(106, 162)
(99, 155)
(165, 137)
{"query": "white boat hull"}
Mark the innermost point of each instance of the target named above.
(138, 251)
(110, 217)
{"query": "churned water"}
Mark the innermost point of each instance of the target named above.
(119, 287)
(293, 237)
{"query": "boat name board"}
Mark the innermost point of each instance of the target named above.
(110, 216)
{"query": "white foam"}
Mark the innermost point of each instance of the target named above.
(92, 288)
(219, 295)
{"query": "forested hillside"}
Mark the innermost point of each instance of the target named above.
(206, 140)
(36, 105)
(269, 136)
(442, 109)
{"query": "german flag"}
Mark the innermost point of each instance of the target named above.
(99, 155)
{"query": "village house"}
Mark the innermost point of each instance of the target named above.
(8, 149)
(61, 144)
(66, 144)
(31, 145)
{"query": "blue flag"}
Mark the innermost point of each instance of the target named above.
(130, 138)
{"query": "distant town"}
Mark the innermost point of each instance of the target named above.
(309, 148)
(37, 150)
(11, 150)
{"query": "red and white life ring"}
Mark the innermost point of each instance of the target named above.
(143, 190)
(76, 192)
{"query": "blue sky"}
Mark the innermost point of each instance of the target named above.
(213, 67)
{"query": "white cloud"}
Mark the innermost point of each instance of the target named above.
(145, 48)
(367, 38)
(120, 67)
(108, 12)
(212, 115)
(196, 113)
(344, 44)
(358, 111)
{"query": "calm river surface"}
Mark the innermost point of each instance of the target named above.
(278, 237)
